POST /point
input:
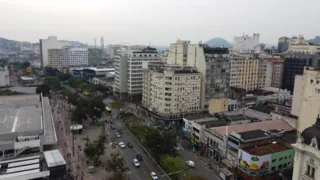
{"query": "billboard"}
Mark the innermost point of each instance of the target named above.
(253, 162)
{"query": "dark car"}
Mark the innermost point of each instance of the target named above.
(119, 131)
(111, 121)
(129, 145)
(106, 121)
(112, 127)
(139, 157)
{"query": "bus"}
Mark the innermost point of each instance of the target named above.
(108, 110)
(86, 93)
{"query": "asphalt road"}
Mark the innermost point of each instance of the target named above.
(146, 165)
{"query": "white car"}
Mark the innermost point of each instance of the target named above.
(153, 176)
(118, 135)
(136, 162)
(190, 163)
(122, 145)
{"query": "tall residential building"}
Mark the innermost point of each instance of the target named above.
(309, 98)
(244, 71)
(94, 56)
(56, 59)
(283, 44)
(178, 53)
(247, 44)
(212, 63)
(113, 50)
(171, 91)
(271, 71)
(75, 56)
(102, 45)
(128, 71)
(50, 43)
(294, 63)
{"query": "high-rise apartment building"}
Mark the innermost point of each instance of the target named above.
(56, 59)
(247, 44)
(128, 71)
(244, 71)
(172, 91)
(68, 57)
(76, 56)
(211, 62)
(178, 53)
(94, 56)
(50, 43)
(283, 44)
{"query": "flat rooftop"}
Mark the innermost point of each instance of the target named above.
(239, 117)
(213, 123)
(252, 134)
(266, 149)
(20, 113)
(192, 117)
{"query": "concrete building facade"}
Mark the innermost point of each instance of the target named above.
(178, 53)
(55, 57)
(246, 44)
(283, 44)
(244, 71)
(4, 77)
(310, 98)
(51, 43)
(172, 91)
(94, 56)
(129, 72)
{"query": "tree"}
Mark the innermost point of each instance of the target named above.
(193, 177)
(116, 165)
(78, 115)
(117, 105)
(53, 82)
(64, 77)
(49, 71)
(95, 149)
(172, 165)
(25, 65)
(44, 89)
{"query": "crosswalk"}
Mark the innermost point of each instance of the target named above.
(116, 125)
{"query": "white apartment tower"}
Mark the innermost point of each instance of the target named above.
(129, 71)
(178, 53)
(50, 43)
(172, 91)
(56, 59)
(246, 44)
(75, 56)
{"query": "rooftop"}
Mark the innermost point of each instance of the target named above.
(192, 117)
(20, 113)
(100, 69)
(239, 117)
(264, 126)
(266, 149)
(27, 78)
(254, 134)
(213, 123)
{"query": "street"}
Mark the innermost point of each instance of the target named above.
(146, 165)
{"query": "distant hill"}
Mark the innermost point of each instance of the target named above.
(315, 40)
(219, 42)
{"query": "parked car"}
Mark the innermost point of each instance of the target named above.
(153, 176)
(136, 162)
(190, 163)
(120, 131)
(122, 145)
(112, 127)
(118, 135)
(111, 121)
(129, 145)
(139, 157)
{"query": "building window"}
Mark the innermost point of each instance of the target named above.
(308, 170)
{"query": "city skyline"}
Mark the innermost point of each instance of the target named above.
(161, 23)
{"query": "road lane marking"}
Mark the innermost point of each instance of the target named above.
(15, 122)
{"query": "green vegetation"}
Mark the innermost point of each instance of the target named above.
(94, 149)
(7, 92)
(172, 165)
(116, 165)
(21, 65)
(192, 177)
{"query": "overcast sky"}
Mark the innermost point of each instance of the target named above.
(160, 22)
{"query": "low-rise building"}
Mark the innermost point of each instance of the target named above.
(4, 77)
(236, 119)
(216, 137)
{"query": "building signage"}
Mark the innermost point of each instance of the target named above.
(254, 163)
(26, 138)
